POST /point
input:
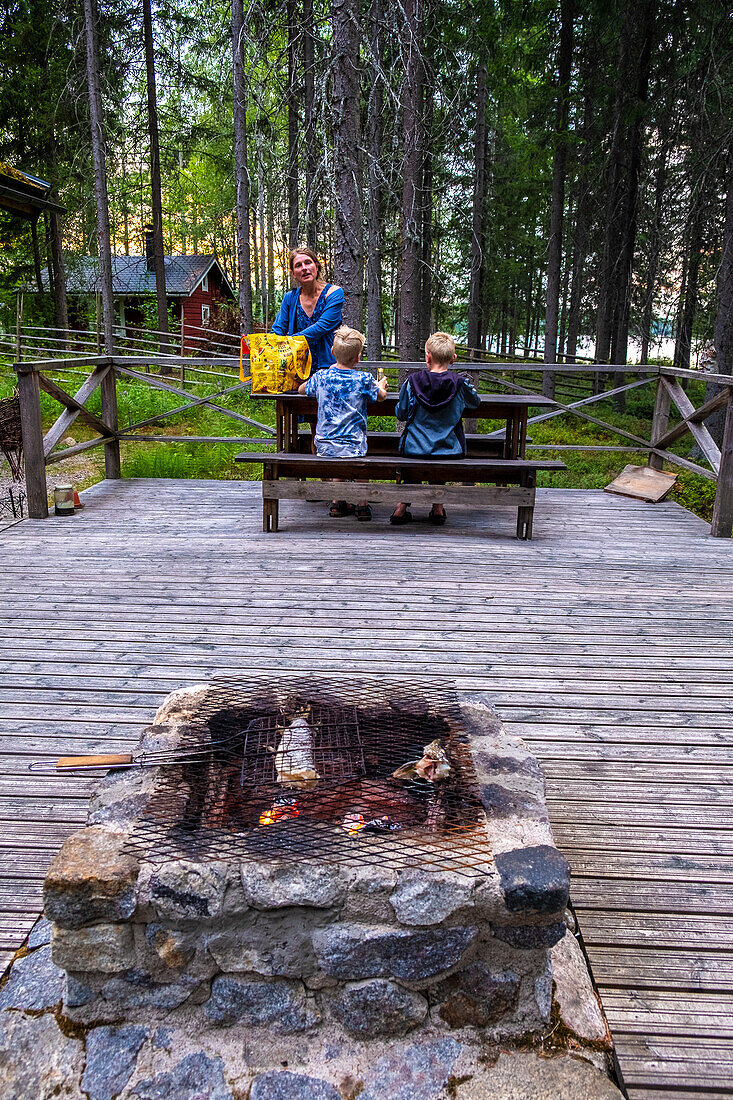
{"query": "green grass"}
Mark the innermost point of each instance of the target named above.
(186, 460)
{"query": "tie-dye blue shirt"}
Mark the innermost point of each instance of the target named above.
(342, 396)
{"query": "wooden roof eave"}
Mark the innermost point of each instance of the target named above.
(21, 202)
(202, 276)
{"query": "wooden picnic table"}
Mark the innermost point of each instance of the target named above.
(512, 408)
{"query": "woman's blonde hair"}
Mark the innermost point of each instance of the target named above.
(442, 347)
(305, 251)
(348, 344)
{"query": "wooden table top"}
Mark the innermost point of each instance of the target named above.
(492, 404)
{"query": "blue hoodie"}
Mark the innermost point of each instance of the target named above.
(432, 403)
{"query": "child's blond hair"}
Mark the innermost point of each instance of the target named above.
(348, 344)
(441, 347)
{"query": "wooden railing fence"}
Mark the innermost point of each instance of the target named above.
(39, 450)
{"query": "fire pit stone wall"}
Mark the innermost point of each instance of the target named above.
(292, 946)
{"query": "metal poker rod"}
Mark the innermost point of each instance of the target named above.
(232, 745)
(181, 755)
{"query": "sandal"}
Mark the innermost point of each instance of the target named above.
(436, 518)
(340, 508)
(398, 521)
(363, 511)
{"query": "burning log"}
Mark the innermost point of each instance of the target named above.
(281, 810)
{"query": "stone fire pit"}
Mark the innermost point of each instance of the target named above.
(325, 966)
(289, 944)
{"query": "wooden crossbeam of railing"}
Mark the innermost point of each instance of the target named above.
(240, 440)
(573, 409)
(46, 365)
(32, 377)
(177, 361)
(668, 390)
(696, 375)
(644, 444)
(692, 420)
(77, 448)
(562, 409)
(74, 407)
(157, 384)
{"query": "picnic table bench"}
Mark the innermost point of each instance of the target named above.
(499, 461)
(513, 481)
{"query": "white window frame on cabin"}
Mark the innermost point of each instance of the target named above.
(205, 282)
(205, 314)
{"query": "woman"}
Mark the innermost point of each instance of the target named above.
(313, 308)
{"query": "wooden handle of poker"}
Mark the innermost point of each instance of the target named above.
(93, 761)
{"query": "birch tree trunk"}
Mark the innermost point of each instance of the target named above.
(375, 203)
(348, 233)
(688, 305)
(255, 255)
(270, 252)
(261, 220)
(309, 134)
(426, 212)
(629, 220)
(37, 256)
(559, 161)
(241, 172)
(478, 211)
(293, 205)
(100, 172)
(60, 305)
(108, 388)
(660, 185)
(722, 525)
(564, 291)
(614, 193)
(412, 109)
(155, 188)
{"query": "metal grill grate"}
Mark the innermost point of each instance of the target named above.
(228, 800)
(337, 749)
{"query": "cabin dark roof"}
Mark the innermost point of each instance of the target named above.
(131, 276)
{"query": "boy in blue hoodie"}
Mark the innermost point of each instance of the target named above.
(432, 402)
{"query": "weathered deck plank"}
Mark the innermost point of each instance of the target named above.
(606, 642)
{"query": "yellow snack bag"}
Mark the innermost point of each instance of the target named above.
(277, 363)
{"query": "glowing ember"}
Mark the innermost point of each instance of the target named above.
(354, 823)
(281, 810)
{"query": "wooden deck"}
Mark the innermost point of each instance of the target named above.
(606, 643)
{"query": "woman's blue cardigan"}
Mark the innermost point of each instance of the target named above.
(319, 334)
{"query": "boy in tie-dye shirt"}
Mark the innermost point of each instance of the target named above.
(342, 393)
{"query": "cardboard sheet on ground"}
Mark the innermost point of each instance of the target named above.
(642, 482)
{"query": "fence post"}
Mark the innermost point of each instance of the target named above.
(660, 421)
(34, 460)
(108, 394)
(722, 525)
